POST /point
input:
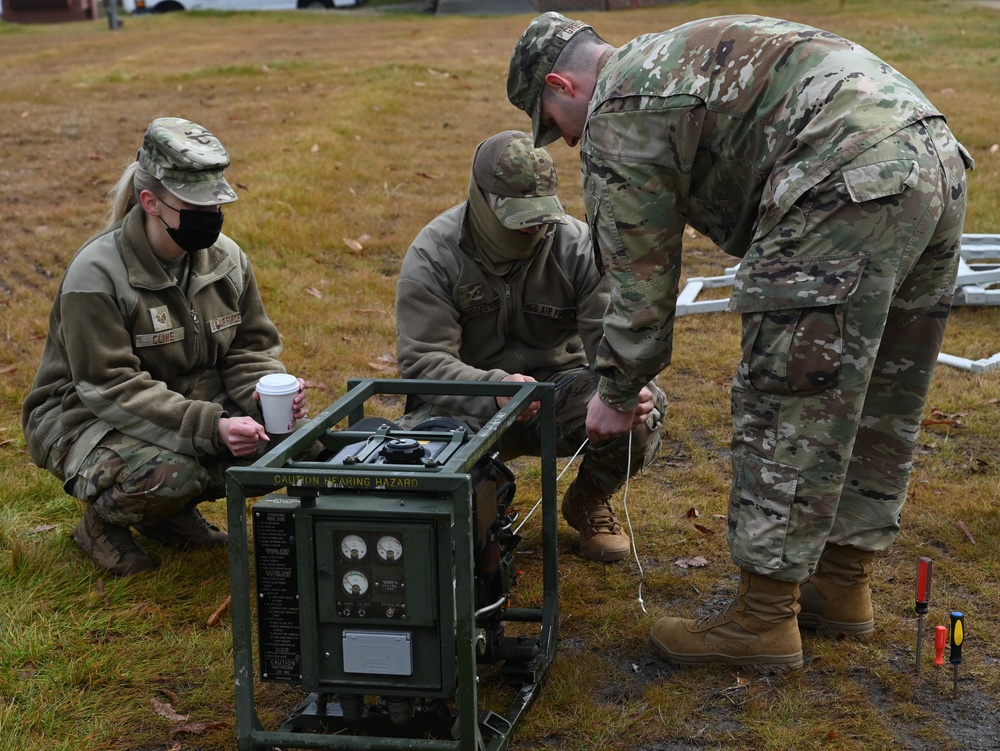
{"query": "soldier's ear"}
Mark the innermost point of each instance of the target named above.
(149, 202)
(561, 84)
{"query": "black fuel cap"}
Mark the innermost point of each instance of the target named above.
(402, 451)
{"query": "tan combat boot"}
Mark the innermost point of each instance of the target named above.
(111, 546)
(837, 599)
(758, 629)
(589, 512)
(187, 530)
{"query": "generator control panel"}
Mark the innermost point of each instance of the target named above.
(366, 572)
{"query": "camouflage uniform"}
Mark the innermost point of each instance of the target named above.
(138, 368)
(843, 191)
(458, 318)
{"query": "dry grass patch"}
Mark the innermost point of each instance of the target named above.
(348, 133)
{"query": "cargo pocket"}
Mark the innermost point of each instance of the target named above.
(794, 320)
(870, 182)
(760, 507)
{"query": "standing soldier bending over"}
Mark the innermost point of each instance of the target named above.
(503, 287)
(843, 191)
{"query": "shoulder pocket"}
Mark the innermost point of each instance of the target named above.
(789, 283)
(871, 181)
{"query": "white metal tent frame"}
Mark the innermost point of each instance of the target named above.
(978, 271)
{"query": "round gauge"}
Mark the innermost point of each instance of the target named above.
(355, 583)
(389, 548)
(353, 547)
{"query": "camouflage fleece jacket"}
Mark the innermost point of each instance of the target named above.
(722, 123)
(457, 321)
(127, 349)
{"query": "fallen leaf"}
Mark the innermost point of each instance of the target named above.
(692, 513)
(314, 148)
(952, 423)
(695, 562)
(386, 357)
(353, 245)
(995, 148)
(165, 710)
(196, 727)
(427, 175)
(704, 530)
(172, 695)
(966, 532)
(379, 367)
(314, 292)
(103, 592)
(220, 611)
(678, 463)
(42, 528)
(27, 670)
(8, 369)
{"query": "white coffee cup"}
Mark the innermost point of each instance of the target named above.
(277, 394)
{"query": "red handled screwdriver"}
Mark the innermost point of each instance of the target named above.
(940, 642)
(957, 637)
(924, 566)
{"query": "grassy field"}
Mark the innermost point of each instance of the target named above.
(348, 132)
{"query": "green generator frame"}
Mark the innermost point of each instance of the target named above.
(442, 489)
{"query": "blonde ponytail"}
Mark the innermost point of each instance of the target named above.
(125, 193)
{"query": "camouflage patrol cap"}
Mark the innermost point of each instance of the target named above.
(534, 56)
(519, 181)
(188, 160)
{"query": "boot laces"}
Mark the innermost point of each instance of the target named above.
(709, 620)
(600, 516)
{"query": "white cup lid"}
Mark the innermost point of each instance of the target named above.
(278, 384)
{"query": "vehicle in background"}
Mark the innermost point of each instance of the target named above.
(163, 6)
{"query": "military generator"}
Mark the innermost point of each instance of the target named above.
(381, 576)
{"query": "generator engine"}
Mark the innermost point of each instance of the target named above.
(384, 571)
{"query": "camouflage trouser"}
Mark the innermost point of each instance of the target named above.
(828, 396)
(604, 464)
(130, 481)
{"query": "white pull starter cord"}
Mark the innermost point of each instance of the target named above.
(628, 517)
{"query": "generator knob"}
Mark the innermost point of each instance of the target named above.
(402, 451)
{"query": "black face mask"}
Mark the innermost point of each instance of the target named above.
(196, 229)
